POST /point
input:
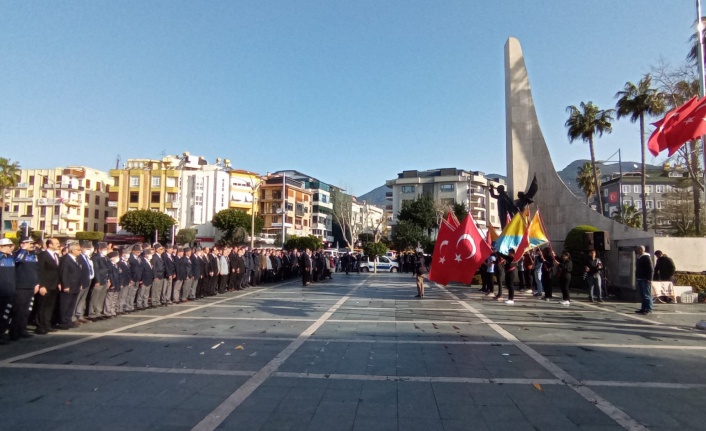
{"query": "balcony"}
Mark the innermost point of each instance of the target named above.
(72, 202)
(44, 202)
(9, 215)
(71, 217)
(21, 186)
(112, 204)
(25, 199)
(63, 186)
(388, 195)
(174, 204)
(75, 173)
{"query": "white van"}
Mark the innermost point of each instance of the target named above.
(384, 264)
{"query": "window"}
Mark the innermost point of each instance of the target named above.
(42, 225)
(636, 189)
(659, 189)
(97, 200)
(85, 212)
(134, 197)
(88, 184)
(315, 198)
(324, 198)
(649, 205)
(134, 181)
(198, 200)
(605, 193)
(29, 209)
(659, 205)
(275, 219)
(156, 181)
(105, 214)
(626, 189)
(95, 227)
(314, 219)
(648, 189)
(96, 214)
(276, 194)
(31, 180)
(447, 187)
(85, 226)
(638, 204)
(171, 182)
(606, 208)
(156, 197)
(16, 209)
(43, 211)
(407, 189)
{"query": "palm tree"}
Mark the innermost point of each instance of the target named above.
(584, 178)
(629, 216)
(583, 124)
(9, 175)
(637, 101)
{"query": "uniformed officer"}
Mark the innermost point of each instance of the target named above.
(7, 285)
(27, 285)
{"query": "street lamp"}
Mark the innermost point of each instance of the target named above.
(254, 188)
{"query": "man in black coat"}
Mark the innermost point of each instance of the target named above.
(135, 265)
(159, 276)
(213, 272)
(664, 267)
(197, 267)
(48, 274)
(169, 274)
(99, 290)
(305, 264)
(147, 278)
(88, 273)
(27, 285)
(180, 267)
(71, 279)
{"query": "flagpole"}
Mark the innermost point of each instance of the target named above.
(702, 76)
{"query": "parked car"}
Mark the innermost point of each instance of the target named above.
(384, 264)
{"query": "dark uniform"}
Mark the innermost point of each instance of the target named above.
(27, 270)
(7, 291)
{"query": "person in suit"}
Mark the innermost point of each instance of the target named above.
(189, 281)
(135, 264)
(99, 290)
(169, 274)
(110, 307)
(88, 274)
(305, 264)
(202, 262)
(233, 263)
(196, 271)
(180, 279)
(147, 278)
(213, 271)
(71, 278)
(48, 279)
(159, 276)
(125, 279)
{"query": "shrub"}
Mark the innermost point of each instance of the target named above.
(696, 281)
(90, 236)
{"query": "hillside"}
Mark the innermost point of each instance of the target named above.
(568, 174)
(375, 196)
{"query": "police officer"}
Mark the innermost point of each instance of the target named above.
(7, 285)
(27, 285)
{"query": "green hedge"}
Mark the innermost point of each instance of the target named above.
(90, 236)
(696, 281)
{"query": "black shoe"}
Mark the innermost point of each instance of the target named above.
(65, 327)
(39, 331)
(26, 334)
(639, 311)
(52, 330)
(417, 296)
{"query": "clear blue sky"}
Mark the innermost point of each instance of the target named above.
(351, 92)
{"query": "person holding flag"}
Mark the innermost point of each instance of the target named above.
(510, 270)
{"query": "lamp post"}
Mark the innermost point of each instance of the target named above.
(252, 211)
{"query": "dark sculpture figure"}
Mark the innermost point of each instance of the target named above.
(506, 207)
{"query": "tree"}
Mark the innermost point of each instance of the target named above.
(373, 249)
(584, 178)
(677, 211)
(186, 236)
(343, 216)
(146, 223)
(235, 225)
(421, 212)
(636, 101)
(9, 176)
(407, 234)
(312, 242)
(583, 124)
(460, 211)
(678, 86)
(629, 216)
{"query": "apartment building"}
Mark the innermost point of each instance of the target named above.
(321, 205)
(446, 186)
(58, 201)
(285, 205)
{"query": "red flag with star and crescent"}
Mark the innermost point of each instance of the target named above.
(458, 253)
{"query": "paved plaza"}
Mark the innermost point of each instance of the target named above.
(361, 353)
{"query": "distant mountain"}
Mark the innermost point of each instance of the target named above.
(568, 174)
(376, 196)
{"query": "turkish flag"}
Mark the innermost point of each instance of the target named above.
(668, 129)
(612, 197)
(690, 126)
(458, 253)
